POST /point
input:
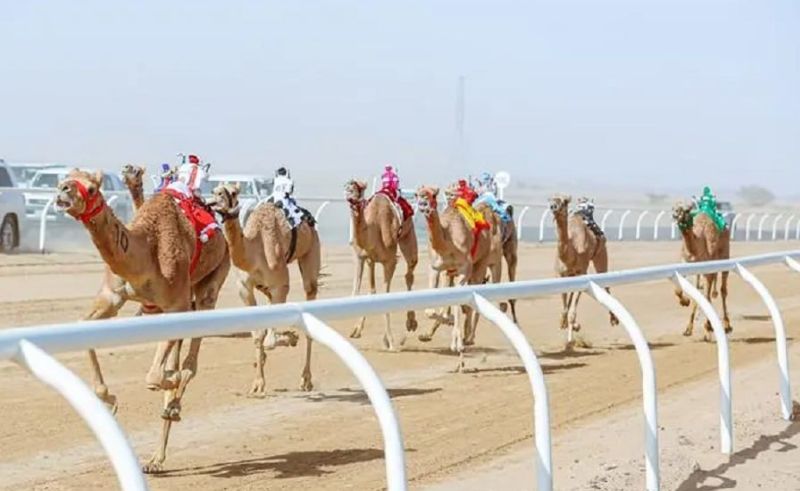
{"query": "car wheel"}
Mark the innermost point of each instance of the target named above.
(9, 234)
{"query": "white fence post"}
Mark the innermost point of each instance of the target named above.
(672, 230)
(785, 384)
(519, 221)
(318, 213)
(390, 428)
(90, 408)
(747, 226)
(43, 222)
(649, 391)
(775, 226)
(639, 224)
(733, 225)
(786, 227)
(541, 412)
(761, 224)
(723, 359)
(605, 217)
(656, 223)
(622, 224)
(541, 224)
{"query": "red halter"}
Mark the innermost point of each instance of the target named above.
(91, 208)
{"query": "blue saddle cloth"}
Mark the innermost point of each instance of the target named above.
(499, 207)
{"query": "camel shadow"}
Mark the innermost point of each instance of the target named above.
(284, 466)
(520, 370)
(629, 347)
(755, 340)
(360, 397)
(696, 480)
(569, 353)
(445, 350)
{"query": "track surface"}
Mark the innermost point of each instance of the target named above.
(329, 438)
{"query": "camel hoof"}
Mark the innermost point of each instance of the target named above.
(430, 313)
(355, 334)
(614, 321)
(469, 342)
(577, 327)
(425, 338)
(728, 329)
(411, 324)
(503, 307)
(688, 331)
(685, 302)
(153, 467)
(292, 338)
(707, 337)
(306, 385)
(172, 412)
(111, 403)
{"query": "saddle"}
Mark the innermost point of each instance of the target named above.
(500, 208)
(585, 211)
(403, 208)
(475, 220)
(200, 216)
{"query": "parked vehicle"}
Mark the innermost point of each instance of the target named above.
(253, 188)
(726, 209)
(25, 171)
(43, 187)
(12, 210)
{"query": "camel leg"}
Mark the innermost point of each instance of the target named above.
(690, 327)
(433, 282)
(723, 290)
(600, 263)
(388, 274)
(496, 271)
(408, 248)
(156, 462)
(566, 301)
(457, 338)
(155, 378)
(573, 315)
(707, 325)
(510, 254)
(356, 290)
(310, 266)
(247, 294)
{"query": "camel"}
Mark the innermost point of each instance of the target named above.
(153, 256)
(578, 246)
(703, 241)
(263, 251)
(455, 251)
(132, 177)
(504, 247)
(378, 231)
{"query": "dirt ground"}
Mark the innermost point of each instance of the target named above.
(462, 431)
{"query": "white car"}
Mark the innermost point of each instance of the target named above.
(25, 171)
(43, 188)
(252, 189)
(12, 209)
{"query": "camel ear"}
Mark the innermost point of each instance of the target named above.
(236, 188)
(361, 185)
(97, 178)
(139, 170)
(435, 191)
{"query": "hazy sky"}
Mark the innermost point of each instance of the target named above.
(654, 94)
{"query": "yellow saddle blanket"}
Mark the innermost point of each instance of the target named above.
(473, 217)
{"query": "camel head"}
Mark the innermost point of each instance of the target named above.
(559, 204)
(426, 200)
(682, 214)
(132, 176)
(79, 195)
(225, 200)
(354, 191)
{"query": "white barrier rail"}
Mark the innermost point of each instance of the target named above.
(311, 317)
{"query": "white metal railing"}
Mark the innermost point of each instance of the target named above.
(20, 342)
(43, 218)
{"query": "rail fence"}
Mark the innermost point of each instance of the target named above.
(31, 348)
(618, 224)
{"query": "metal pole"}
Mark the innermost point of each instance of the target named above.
(775, 226)
(785, 385)
(605, 217)
(649, 390)
(622, 223)
(319, 210)
(786, 227)
(541, 411)
(43, 222)
(747, 226)
(519, 221)
(390, 428)
(761, 225)
(724, 367)
(639, 224)
(90, 408)
(655, 225)
(541, 224)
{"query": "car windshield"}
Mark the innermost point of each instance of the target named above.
(263, 187)
(46, 180)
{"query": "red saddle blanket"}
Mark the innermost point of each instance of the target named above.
(203, 220)
(405, 206)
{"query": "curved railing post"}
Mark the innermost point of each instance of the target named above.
(541, 411)
(747, 226)
(649, 392)
(318, 213)
(785, 384)
(761, 224)
(605, 217)
(90, 408)
(390, 428)
(622, 224)
(775, 226)
(541, 224)
(656, 223)
(639, 224)
(797, 231)
(723, 361)
(672, 230)
(43, 222)
(519, 221)
(733, 225)
(786, 227)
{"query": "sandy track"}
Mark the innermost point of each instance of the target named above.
(329, 439)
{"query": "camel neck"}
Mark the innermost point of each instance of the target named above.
(563, 236)
(137, 195)
(358, 223)
(436, 235)
(116, 243)
(688, 240)
(236, 243)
